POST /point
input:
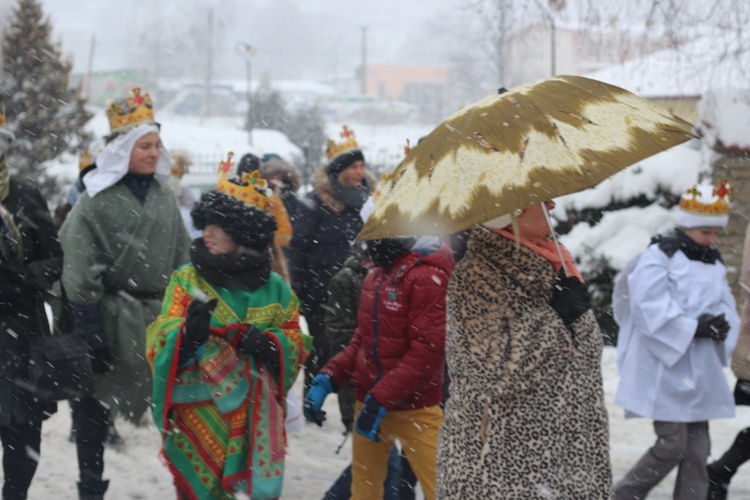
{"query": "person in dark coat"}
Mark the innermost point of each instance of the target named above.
(327, 222)
(30, 261)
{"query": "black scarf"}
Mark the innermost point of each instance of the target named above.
(384, 252)
(352, 196)
(677, 240)
(249, 271)
(138, 185)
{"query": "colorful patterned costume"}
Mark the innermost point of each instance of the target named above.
(222, 415)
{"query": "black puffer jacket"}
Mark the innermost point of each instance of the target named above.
(323, 231)
(22, 291)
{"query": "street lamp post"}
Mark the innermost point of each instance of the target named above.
(551, 19)
(247, 51)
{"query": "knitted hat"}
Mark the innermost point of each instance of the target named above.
(704, 205)
(341, 155)
(248, 164)
(240, 207)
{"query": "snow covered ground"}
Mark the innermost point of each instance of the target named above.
(312, 465)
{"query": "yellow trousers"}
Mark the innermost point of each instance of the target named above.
(417, 431)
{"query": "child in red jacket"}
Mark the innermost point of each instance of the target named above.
(395, 360)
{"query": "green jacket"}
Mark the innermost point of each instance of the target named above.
(119, 256)
(341, 318)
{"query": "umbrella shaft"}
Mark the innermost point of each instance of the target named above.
(554, 238)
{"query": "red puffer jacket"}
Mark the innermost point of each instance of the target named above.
(397, 353)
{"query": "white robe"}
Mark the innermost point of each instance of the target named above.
(665, 373)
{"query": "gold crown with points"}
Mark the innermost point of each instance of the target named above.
(130, 111)
(347, 143)
(251, 188)
(708, 200)
(85, 159)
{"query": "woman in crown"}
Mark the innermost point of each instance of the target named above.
(327, 222)
(225, 350)
(678, 327)
(122, 240)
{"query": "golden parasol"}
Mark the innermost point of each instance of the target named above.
(520, 147)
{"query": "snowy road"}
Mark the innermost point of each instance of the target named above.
(136, 472)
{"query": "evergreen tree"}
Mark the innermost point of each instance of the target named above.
(45, 113)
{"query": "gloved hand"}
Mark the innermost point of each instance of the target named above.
(321, 387)
(198, 319)
(369, 419)
(570, 298)
(712, 327)
(253, 341)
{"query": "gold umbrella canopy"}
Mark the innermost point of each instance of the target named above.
(520, 147)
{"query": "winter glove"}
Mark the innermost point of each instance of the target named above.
(369, 419)
(198, 320)
(196, 330)
(570, 298)
(255, 342)
(87, 321)
(321, 387)
(712, 327)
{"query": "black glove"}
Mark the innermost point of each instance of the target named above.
(712, 327)
(570, 298)
(198, 319)
(255, 342)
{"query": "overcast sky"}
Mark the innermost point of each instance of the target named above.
(285, 32)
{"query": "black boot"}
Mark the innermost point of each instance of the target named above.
(113, 437)
(92, 489)
(718, 487)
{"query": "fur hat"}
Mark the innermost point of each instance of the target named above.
(704, 205)
(248, 225)
(290, 174)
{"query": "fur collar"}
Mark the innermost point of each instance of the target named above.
(324, 189)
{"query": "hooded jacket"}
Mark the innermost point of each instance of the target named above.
(397, 353)
(322, 234)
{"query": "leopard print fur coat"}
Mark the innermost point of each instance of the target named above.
(526, 417)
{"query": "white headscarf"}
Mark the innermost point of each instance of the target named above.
(114, 161)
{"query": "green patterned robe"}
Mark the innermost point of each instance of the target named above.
(115, 252)
(222, 415)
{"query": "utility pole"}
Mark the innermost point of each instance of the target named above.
(551, 19)
(90, 69)
(205, 109)
(364, 59)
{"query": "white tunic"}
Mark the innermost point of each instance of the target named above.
(665, 373)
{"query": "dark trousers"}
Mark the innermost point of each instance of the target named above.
(737, 454)
(682, 445)
(315, 317)
(21, 445)
(342, 488)
(90, 419)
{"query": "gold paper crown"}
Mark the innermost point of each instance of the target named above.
(347, 144)
(708, 200)
(251, 188)
(86, 159)
(133, 110)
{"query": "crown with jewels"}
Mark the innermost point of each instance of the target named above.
(348, 143)
(251, 188)
(133, 110)
(707, 199)
(85, 159)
